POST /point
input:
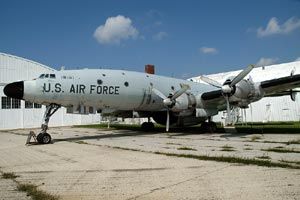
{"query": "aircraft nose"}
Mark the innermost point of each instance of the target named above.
(14, 90)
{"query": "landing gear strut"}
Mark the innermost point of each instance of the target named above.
(43, 137)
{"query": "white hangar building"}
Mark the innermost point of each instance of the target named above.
(269, 108)
(16, 113)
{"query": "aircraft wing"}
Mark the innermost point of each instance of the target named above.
(274, 87)
(279, 86)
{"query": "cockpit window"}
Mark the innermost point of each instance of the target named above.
(46, 75)
(52, 75)
(42, 76)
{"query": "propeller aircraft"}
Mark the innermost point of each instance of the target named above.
(169, 101)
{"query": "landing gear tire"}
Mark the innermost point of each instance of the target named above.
(210, 127)
(43, 138)
(147, 126)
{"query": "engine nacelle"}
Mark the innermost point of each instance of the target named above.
(184, 102)
(246, 92)
(205, 113)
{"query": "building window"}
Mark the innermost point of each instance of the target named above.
(5, 102)
(28, 104)
(15, 103)
(36, 105)
(10, 103)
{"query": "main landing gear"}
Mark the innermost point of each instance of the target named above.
(147, 126)
(209, 126)
(43, 137)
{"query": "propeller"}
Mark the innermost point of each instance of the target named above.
(228, 87)
(170, 101)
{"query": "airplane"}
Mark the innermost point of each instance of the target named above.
(169, 101)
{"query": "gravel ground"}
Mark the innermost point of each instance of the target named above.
(120, 164)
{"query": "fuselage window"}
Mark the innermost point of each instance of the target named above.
(63, 77)
(99, 81)
(103, 75)
(126, 84)
(172, 88)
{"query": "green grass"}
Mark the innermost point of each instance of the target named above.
(9, 175)
(230, 159)
(297, 141)
(30, 189)
(227, 148)
(35, 193)
(81, 142)
(172, 143)
(128, 149)
(186, 149)
(263, 157)
(289, 161)
(281, 150)
(270, 127)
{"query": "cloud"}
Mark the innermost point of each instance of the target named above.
(116, 29)
(266, 61)
(297, 59)
(208, 50)
(273, 27)
(160, 35)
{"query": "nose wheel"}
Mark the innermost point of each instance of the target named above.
(43, 137)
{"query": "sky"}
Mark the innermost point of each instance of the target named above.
(181, 38)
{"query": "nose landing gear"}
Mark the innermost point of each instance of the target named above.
(43, 137)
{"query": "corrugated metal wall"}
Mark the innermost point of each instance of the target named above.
(13, 68)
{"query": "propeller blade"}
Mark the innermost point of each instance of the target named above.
(168, 121)
(210, 81)
(228, 117)
(159, 93)
(241, 75)
(184, 88)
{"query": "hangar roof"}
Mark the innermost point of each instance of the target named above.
(258, 74)
(13, 68)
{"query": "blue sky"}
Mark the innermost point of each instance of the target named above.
(181, 38)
